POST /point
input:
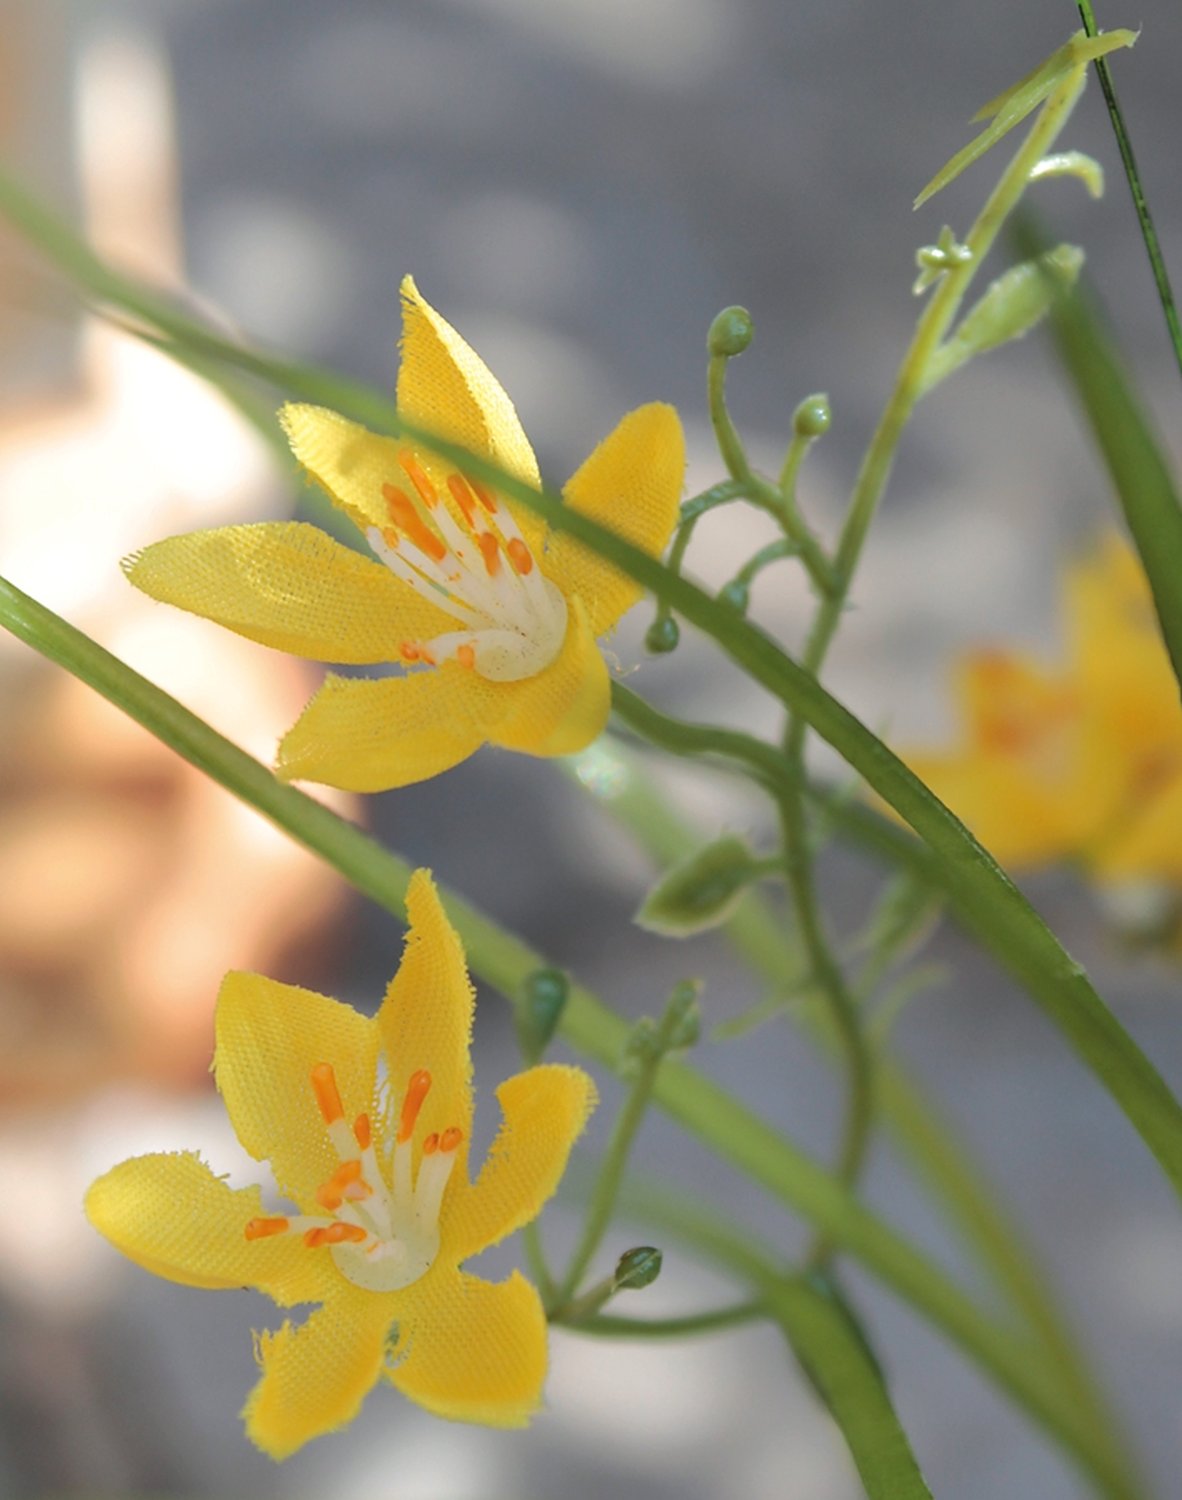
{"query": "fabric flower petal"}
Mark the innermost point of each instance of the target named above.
(367, 735)
(425, 1020)
(169, 1214)
(631, 483)
(290, 586)
(1147, 843)
(445, 387)
(317, 1374)
(347, 460)
(564, 707)
(545, 1110)
(268, 1038)
(475, 1351)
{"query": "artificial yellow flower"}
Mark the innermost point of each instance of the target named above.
(1081, 761)
(497, 619)
(366, 1125)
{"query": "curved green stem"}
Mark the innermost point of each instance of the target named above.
(717, 1320)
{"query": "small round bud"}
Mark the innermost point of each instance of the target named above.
(637, 1268)
(663, 636)
(811, 418)
(730, 333)
(736, 595)
(546, 992)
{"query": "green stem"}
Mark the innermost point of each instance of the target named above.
(1157, 261)
(719, 1121)
(718, 1320)
(535, 1259)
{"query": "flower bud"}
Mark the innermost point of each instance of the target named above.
(663, 636)
(811, 418)
(546, 992)
(736, 595)
(701, 891)
(730, 333)
(637, 1268)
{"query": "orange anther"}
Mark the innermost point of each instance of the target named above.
(414, 472)
(484, 495)
(409, 651)
(261, 1229)
(347, 1176)
(520, 555)
(450, 1138)
(461, 493)
(406, 518)
(416, 1092)
(390, 536)
(314, 1238)
(363, 1132)
(324, 1082)
(431, 1144)
(334, 1234)
(466, 656)
(490, 548)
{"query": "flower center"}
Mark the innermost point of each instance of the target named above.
(383, 1235)
(465, 554)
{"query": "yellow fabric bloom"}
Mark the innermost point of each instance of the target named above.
(366, 1125)
(1081, 761)
(497, 618)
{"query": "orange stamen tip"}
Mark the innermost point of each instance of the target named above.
(431, 1144)
(409, 651)
(324, 1083)
(415, 473)
(461, 493)
(520, 556)
(491, 551)
(406, 517)
(451, 1138)
(363, 1132)
(484, 495)
(466, 656)
(416, 1092)
(391, 537)
(261, 1229)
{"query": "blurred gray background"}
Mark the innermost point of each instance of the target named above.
(579, 185)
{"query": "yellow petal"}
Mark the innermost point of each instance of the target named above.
(268, 1038)
(1119, 659)
(631, 483)
(171, 1215)
(1147, 839)
(545, 1109)
(445, 387)
(317, 1374)
(290, 586)
(425, 1020)
(475, 1351)
(1014, 706)
(366, 735)
(1017, 816)
(347, 460)
(564, 707)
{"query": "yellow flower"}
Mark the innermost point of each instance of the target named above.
(366, 1125)
(497, 618)
(1083, 761)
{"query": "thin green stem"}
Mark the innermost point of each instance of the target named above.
(717, 1320)
(1157, 260)
(535, 1259)
(646, 1053)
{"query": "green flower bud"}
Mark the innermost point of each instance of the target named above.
(637, 1268)
(663, 636)
(701, 891)
(730, 333)
(545, 995)
(811, 418)
(736, 595)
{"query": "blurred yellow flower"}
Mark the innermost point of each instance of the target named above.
(1081, 761)
(498, 619)
(366, 1125)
